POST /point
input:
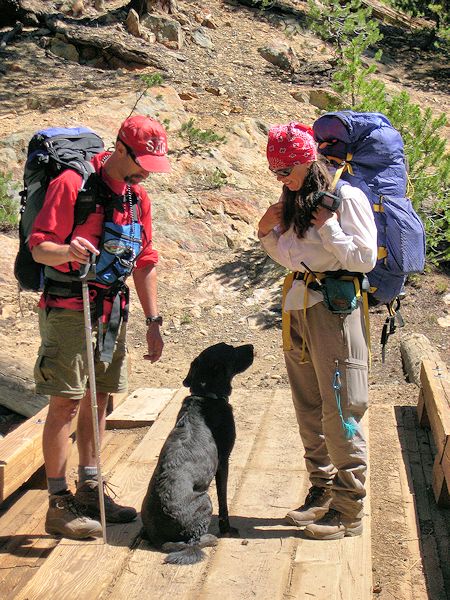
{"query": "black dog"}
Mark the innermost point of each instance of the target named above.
(176, 511)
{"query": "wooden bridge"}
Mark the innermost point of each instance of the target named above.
(270, 560)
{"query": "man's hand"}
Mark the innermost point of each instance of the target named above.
(270, 219)
(80, 249)
(321, 215)
(155, 343)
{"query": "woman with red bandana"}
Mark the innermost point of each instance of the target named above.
(325, 348)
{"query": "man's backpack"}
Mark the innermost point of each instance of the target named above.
(368, 151)
(50, 152)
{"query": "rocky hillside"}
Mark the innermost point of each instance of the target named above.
(231, 70)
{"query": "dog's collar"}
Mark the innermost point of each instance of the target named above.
(212, 396)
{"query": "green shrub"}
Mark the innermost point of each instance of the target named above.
(216, 179)
(9, 205)
(152, 80)
(199, 138)
(349, 30)
(437, 12)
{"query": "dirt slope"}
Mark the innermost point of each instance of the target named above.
(227, 294)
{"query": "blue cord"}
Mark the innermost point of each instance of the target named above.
(350, 426)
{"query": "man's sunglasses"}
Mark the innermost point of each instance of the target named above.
(282, 172)
(130, 152)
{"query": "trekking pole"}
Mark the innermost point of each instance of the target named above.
(87, 273)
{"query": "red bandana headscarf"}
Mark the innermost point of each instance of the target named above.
(290, 145)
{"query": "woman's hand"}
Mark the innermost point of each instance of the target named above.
(270, 219)
(321, 215)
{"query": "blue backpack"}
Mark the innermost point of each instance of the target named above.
(368, 151)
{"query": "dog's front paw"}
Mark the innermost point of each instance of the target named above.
(229, 532)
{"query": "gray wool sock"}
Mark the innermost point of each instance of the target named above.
(56, 485)
(87, 473)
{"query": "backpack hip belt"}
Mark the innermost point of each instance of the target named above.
(318, 282)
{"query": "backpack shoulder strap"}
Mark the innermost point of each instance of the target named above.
(88, 197)
(344, 165)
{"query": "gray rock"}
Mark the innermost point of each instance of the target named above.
(64, 50)
(281, 55)
(168, 31)
(322, 98)
(132, 23)
(201, 38)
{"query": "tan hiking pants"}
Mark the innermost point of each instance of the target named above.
(330, 458)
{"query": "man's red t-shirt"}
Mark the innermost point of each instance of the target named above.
(55, 223)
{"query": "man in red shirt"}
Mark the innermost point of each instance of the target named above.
(119, 232)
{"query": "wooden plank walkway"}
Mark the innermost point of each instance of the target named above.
(21, 452)
(270, 560)
(24, 545)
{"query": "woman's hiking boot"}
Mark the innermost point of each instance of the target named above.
(334, 526)
(87, 494)
(66, 517)
(316, 505)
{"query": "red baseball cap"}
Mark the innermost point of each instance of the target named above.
(147, 140)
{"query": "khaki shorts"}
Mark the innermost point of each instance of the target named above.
(61, 368)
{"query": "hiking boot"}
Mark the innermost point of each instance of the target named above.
(65, 517)
(87, 494)
(334, 526)
(316, 505)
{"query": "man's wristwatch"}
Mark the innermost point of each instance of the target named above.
(158, 319)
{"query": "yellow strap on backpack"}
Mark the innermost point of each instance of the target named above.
(343, 166)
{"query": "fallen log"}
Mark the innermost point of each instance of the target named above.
(17, 388)
(415, 348)
(380, 11)
(390, 16)
(110, 42)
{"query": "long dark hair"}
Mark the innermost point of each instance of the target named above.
(298, 206)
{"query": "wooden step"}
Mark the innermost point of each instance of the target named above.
(21, 450)
(87, 568)
(337, 569)
(434, 409)
(21, 454)
(140, 409)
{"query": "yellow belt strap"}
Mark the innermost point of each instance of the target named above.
(286, 315)
(365, 299)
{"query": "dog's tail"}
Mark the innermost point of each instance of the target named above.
(188, 556)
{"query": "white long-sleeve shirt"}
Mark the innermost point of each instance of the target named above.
(349, 243)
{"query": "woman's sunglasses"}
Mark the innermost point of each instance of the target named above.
(282, 172)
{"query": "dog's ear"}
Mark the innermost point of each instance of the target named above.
(190, 376)
(243, 358)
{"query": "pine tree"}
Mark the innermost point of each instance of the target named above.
(351, 32)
